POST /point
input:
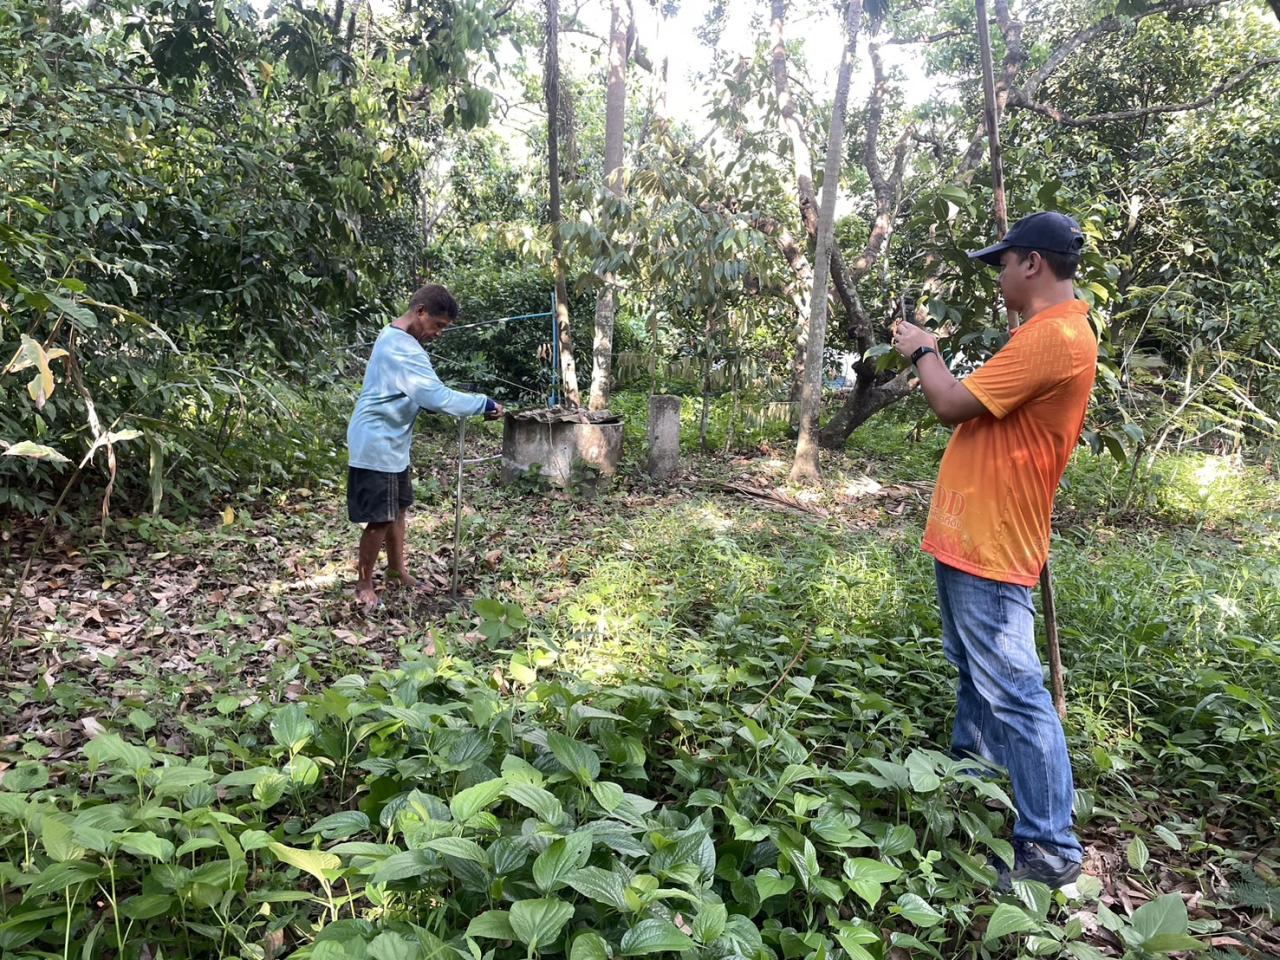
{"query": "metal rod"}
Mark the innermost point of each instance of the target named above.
(457, 513)
(485, 323)
(555, 350)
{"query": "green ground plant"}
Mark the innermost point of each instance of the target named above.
(724, 738)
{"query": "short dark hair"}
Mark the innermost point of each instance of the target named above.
(1063, 265)
(436, 300)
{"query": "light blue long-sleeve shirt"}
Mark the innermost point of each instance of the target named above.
(399, 382)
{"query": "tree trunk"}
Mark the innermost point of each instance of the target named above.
(615, 118)
(867, 399)
(568, 371)
(805, 466)
(802, 166)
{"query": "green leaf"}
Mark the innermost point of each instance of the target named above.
(34, 451)
(589, 946)
(609, 795)
(494, 924)
(916, 909)
(314, 862)
(898, 840)
(401, 866)
(147, 845)
(1168, 836)
(146, 906)
(537, 923)
(57, 839)
(291, 727)
(560, 859)
(473, 800)
(59, 876)
(654, 936)
(1163, 915)
(709, 923)
(578, 758)
(458, 847)
(107, 749)
(540, 801)
(341, 825)
(877, 871)
(603, 886)
(1171, 942)
(1138, 854)
(392, 946)
(1009, 918)
(770, 883)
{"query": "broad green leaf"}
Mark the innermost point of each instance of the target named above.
(473, 800)
(560, 859)
(401, 866)
(291, 727)
(1168, 836)
(1163, 915)
(315, 862)
(146, 906)
(339, 826)
(537, 923)
(540, 801)
(389, 945)
(609, 795)
(916, 909)
(1009, 918)
(603, 886)
(1138, 854)
(865, 868)
(589, 946)
(578, 758)
(107, 749)
(34, 451)
(59, 876)
(458, 847)
(494, 924)
(654, 936)
(898, 840)
(58, 840)
(147, 844)
(770, 883)
(709, 923)
(254, 840)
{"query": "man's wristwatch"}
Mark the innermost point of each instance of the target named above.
(920, 352)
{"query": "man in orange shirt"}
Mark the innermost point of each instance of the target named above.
(1019, 416)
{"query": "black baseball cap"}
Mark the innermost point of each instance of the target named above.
(1055, 232)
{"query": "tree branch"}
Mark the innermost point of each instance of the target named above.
(1106, 25)
(1224, 86)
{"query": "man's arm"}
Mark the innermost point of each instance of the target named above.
(948, 397)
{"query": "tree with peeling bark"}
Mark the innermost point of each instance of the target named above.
(805, 466)
(614, 129)
(568, 369)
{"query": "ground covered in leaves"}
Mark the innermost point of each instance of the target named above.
(732, 688)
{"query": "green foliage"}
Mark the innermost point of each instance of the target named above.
(225, 176)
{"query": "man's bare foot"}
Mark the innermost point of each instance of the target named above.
(403, 579)
(366, 596)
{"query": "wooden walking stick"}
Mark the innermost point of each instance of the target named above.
(991, 122)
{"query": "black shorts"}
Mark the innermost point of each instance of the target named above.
(377, 497)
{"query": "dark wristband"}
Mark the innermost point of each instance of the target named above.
(489, 405)
(920, 352)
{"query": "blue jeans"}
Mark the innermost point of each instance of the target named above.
(1004, 714)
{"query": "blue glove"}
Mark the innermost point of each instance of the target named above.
(489, 407)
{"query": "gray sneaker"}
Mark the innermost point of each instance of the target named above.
(1034, 862)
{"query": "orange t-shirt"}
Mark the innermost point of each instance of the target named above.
(994, 496)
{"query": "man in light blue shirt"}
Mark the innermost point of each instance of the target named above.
(398, 382)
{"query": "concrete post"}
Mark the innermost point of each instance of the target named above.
(664, 436)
